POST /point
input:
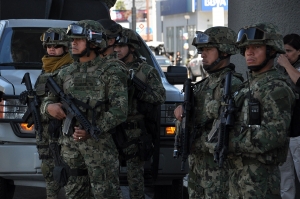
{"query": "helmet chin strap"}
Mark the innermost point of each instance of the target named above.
(86, 52)
(264, 63)
(126, 56)
(209, 68)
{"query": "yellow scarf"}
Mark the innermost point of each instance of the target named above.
(50, 64)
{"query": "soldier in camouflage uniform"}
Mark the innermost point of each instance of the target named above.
(56, 43)
(216, 45)
(100, 89)
(136, 125)
(258, 142)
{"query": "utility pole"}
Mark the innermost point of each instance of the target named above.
(148, 28)
(133, 16)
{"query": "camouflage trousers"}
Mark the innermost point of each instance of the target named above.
(206, 180)
(135, 168)
(52, 187)
(100, 159)
(254, 180)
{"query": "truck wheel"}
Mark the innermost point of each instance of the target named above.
(174, 191)
(7, 189)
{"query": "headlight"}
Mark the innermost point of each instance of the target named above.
(12, 109)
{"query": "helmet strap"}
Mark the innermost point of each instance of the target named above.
(86, 51)
(126, 56)
(265, 62)
(209, 68)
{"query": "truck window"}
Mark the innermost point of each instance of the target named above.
(21, 45)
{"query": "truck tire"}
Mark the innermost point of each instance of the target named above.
(174, 191)
(6, 189)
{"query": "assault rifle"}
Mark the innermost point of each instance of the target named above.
(72, 110)
(33, 110)
(139, 84)
(226, 121)
(182, 141)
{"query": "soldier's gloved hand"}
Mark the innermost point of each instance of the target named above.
(23, 97)
(211, 146)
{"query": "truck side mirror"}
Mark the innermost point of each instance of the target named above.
(176, 74)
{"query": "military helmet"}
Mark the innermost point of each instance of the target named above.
(222, 38)
(55, 36)
(91, 30)
(129, 37)
(112, 29)
(260, 33)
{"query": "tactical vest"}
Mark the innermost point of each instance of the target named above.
(241, 97)
(206, 91)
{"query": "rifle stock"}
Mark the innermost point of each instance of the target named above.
(32, 107)
(72, 109)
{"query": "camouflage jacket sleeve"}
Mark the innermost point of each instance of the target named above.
(49, 99)
(276, 102)
(116, 78)
(158, 95)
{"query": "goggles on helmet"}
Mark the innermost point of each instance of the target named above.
(74, 29)
(122, 41)
(255, 34)
(201, 38)
(52, 36)
(77, 30)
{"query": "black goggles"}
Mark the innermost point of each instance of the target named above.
(54, 46)
(201, 38)
(50, 36)
(255, 34)
(74, 29)
(122, 41)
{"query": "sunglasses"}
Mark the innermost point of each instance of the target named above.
(255, 34)
(54, 46)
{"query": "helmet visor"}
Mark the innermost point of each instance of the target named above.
(201, 38)
(122, 41)
(74, 29)
(94, 36)
(51, 36)
(251, 34)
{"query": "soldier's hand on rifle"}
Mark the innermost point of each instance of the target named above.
(178, 112)
(23, 97)
(56, 111)
(80, 134)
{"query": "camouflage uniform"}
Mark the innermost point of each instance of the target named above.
(51, 66)
(100, 83)
(149, 75)
(206, 179)
(256, 149)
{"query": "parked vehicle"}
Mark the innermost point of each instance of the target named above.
(163, 62)
(20, 164)
(195, 68)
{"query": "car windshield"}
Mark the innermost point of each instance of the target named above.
(163, 61)
(21, 45)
